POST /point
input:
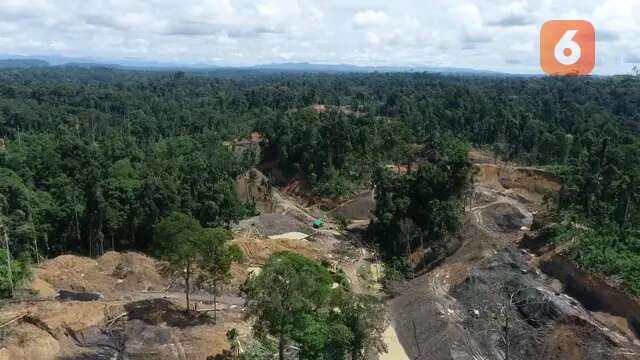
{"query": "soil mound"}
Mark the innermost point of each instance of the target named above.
(575, 339)
(137, 271)
(489, 175)
(110, 275)
(533, 180)
(529, 183)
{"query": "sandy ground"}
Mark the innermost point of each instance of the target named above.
(395, 351)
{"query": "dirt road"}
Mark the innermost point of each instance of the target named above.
(450, 312)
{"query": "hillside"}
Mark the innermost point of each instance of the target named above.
(22, 63)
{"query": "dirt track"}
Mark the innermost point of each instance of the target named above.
(432, 318)
(130, 278)
(443, 315)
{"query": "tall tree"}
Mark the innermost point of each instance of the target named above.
(289, 287)
(177, 242)
(216, 256)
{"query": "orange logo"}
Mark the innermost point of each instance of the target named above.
(567, 47)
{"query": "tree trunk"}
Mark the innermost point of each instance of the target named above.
(75, 210)
(627, 211)
(281, 347)
(507, 340)
(186, 283)
(5, 237)
(215, 301)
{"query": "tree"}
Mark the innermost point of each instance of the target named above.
(423, 205)
(177, 242)
(364, 316)
(215, 258)
(288, 288)
(322, 336)
(12, 273)
(234, 341)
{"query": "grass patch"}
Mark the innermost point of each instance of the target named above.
(612, 253)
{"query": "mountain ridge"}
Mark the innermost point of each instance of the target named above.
(8, 61)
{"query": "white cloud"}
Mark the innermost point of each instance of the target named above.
(473, 29)
(487, 34)
(370, 18)
(278, 8)
(317, 13)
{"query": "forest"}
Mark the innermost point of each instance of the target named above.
(93, 159)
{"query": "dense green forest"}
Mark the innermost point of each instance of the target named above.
(92, 159)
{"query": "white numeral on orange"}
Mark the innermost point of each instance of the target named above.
(566, 42)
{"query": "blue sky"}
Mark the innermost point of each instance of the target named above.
(499, 35)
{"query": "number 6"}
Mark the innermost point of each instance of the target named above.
(566, 42)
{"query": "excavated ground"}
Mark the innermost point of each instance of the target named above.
(140, 314)
(460, 309)
(456, 311)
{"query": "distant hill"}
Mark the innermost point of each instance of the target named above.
(346, 68)
(300, 67)
(22, 63)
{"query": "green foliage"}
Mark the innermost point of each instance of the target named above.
(191, 251)
(288, 285)
(606, 250)
(19, 274)
(215, 258)
(293, 301)
(342, 279)
(259, 349)
(179, 244)
(343, 220)
(396, 272)
(93, 159)
(322, 338)
(423, 207)
(178, 240)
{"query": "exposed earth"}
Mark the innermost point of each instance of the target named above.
(139, 315)
(488, 300)
(491, 301)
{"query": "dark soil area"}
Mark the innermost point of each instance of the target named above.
(503, 218)
(160, 311)
(511, 309)
(358, 208)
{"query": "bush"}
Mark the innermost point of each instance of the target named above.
(19, 272)
(343, 220)
(611, 253)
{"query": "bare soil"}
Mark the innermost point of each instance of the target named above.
(112, 275)
(452, 312)
(140, 316)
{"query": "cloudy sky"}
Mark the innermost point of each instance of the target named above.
(497, 35)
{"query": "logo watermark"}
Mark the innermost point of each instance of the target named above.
(567, 47)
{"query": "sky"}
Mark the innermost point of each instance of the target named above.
(498, 35)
